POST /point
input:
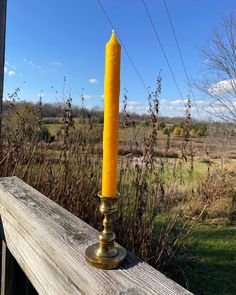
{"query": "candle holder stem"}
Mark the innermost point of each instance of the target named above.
(106, 254)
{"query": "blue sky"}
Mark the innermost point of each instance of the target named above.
(47, 40)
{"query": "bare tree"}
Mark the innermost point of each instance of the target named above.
(219, 64)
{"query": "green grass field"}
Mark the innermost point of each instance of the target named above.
(210, 265)
(207, 262)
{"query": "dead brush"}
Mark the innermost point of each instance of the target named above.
(148, 202)
(69, 172)
(150, 142)
(217, 187)
(172, 227)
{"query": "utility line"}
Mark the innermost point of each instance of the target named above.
(180, 54)
(176, 41)
(124, 47)
(162, 49)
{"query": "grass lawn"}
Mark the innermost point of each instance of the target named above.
(210, 265)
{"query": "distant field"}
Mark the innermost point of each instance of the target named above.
(214, 144)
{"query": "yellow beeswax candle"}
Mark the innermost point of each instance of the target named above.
(111, 114)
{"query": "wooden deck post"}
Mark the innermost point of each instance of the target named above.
(13, 279)
(3, 8)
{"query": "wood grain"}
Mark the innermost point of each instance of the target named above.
(49, 244)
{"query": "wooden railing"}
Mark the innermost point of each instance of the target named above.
(47, 243)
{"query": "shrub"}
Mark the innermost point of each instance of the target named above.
(51, 120)
(177, 131)
(199, 129)
(201, 132)
(193, 132)
(166, 130)
(45, 135)
(161, 126)
(181, 132)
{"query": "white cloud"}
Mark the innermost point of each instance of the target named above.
(87, 96)
(11, 73)
(56, 63)
(9, 66)
(135, 106)
(167, 103)
(178, 101)
(9, 69)
(37, 67)
(93, 81)
(200, 101)
(221, 86)
(40, 94)
(167, 107)
(176, 107)
(43, 68)
(92, 96)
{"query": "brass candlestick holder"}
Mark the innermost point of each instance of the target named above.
(106, 254)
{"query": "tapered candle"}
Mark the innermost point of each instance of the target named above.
(111, 114)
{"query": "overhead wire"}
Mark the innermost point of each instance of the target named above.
(162, 49)
(180, 54)
(124, 47)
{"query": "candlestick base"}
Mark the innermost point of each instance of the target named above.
(104, 262)
(106, 254)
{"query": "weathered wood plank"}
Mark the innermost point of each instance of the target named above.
(49, 244)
